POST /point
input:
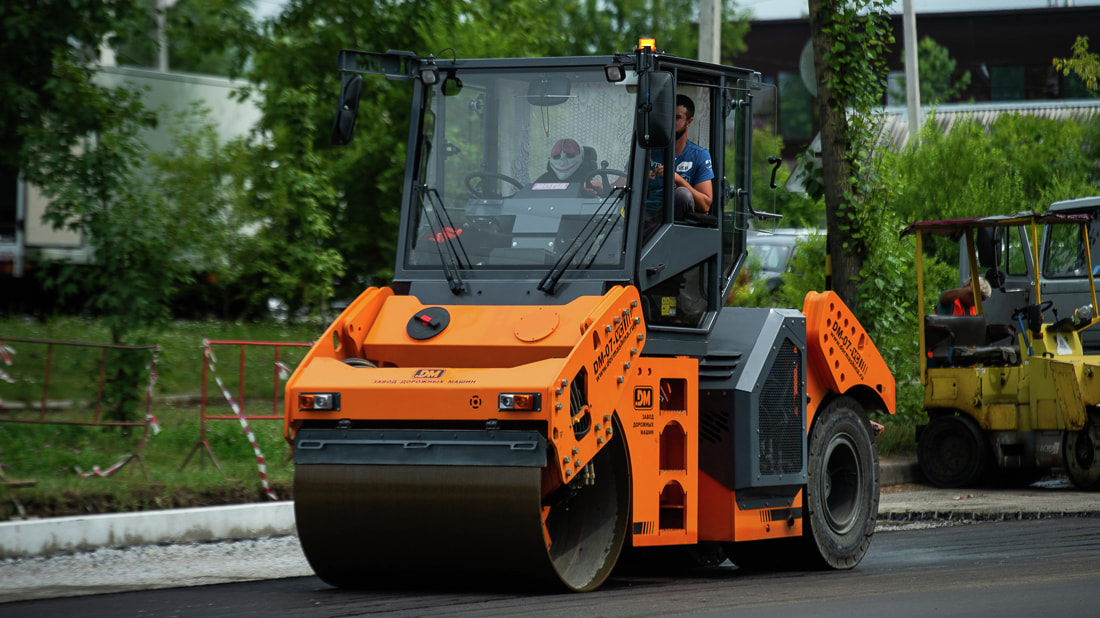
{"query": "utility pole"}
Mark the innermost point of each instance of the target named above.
(160, 7)
(710, 30)
(912, 77)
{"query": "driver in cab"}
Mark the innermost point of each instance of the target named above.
(566, 165)
(960, 300)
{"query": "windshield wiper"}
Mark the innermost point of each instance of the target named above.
(598, 227)
(451, 252)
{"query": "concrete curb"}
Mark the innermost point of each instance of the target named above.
(37, 537)
(899, 472)
(981, 515)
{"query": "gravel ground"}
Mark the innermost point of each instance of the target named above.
(902, 507)
(147, 567)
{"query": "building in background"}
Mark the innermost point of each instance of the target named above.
(26, 240)
(1008, 54)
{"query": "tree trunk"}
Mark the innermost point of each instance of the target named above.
(845, 252)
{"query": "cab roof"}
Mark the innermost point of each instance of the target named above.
(956, 227)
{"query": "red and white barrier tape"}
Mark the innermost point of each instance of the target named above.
(149, 417)
(260, 461)
(5, 355)
(97, 471)
(284, 370)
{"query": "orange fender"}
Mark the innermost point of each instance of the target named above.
(842, 357)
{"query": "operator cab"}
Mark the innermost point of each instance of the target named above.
(533, 181)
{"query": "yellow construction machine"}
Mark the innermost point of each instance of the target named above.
(1009, 401)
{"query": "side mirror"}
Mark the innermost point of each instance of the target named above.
(656, 109)
(987, 247)
(346, 113)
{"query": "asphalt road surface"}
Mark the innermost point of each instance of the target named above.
(1009, 568)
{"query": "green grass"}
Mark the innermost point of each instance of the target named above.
(54, 455)
(51, 454)
(899, 438)
(74, 370)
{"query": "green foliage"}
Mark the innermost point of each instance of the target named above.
(1020, 163)
(292, 199)
(89, 167)
(851, 40)
(899, 436)
(359, 195)
(1085, 64)
(955, 174)
(123, 394)
(806, 272)
(937, 75)
(1055, 159)
(208, 181)
(43, 43)
(887, 300)
(209, 36)
(805, 275)
(591, 27)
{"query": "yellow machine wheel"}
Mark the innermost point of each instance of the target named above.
(1081, 450)
(953, 451)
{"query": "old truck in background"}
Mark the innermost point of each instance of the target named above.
(1061, 275)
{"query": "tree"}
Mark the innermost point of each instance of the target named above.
(604, 27)
(937, 70)
(1086, 65)
(849, 42)
(209, 36)
(42, 40)
(292, 200)
(84, 145)
(297, 54)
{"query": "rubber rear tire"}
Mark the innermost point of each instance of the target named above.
(840, 501)
(1082, 454)
(953, 452)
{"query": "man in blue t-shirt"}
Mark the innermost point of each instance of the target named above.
(694, 191)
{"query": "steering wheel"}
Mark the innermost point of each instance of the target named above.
(1046, 304)
(474, 185)
(605, 175)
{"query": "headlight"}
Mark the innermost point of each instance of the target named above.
(519, 402)
(319, 401)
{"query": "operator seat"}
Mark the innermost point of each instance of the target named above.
(961, 341)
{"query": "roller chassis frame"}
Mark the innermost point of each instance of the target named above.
(653, 417)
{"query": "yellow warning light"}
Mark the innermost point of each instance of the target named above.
(650, 44)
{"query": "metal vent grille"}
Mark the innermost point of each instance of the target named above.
(713, 424)
(781, 423)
